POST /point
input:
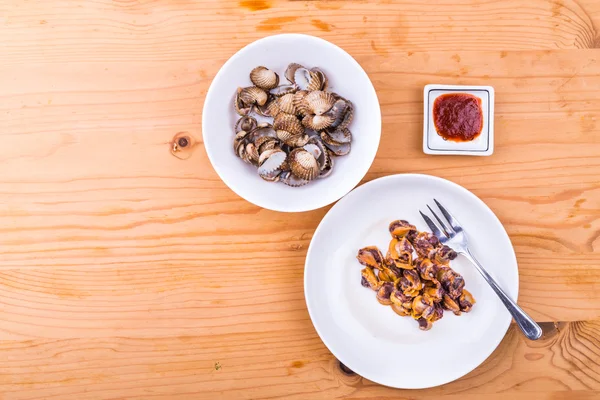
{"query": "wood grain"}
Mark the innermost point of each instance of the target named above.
(129, 273)
(288, 363)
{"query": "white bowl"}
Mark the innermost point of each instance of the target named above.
(346, 77)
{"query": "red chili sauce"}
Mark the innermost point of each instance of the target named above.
(458, 116)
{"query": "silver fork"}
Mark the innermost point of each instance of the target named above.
(454, 237)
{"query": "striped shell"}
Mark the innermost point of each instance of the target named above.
(264, 78)
(337, 137)
(308, 80)
(339, 150)
(292, 180)
(317, 122)
(319, 102)
(253, 95)
(301, 106)
(287, 122)
(303, 164)
(245, 123)
(286, 103)
(291, 71)
(271, 160)
(298, 141)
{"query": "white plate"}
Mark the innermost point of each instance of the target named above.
(370, 338)
(346, 77)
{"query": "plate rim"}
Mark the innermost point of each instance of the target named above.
(361, 188)
(212, 156)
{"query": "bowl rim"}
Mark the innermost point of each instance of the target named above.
(212, 156)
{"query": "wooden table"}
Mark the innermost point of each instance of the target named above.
(129, 273)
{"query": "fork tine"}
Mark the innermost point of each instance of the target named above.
(451, 220)
(434, 229)
(445, 228)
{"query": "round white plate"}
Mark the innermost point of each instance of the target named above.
(346, 77)
(370, 338)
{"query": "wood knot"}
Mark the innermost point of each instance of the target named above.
(182, 144)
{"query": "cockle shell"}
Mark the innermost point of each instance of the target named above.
(319, 102)
(303, 164)
(287, 122)
(245, 123)
(286, 103)
(253, 95)
(290, 71)
(292, 180)
(317, 122)
(264, 78)
(270, 160)
(337, 137)
(340, 150)
(283, 90)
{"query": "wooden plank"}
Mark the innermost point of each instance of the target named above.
(138, 208)
(189, 297)
(166, 30)
(290, 364)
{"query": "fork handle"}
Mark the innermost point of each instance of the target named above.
(529, 327)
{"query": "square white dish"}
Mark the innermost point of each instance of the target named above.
(433, 143)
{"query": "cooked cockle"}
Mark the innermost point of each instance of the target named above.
(424, 324)
(444, 254)
(370, 256)
(452, 282)
(423, 288)
(403, 312)
(427, 269)
(466, 301)
(392, 273)
(383, 276)
(368, 279)
(400, 253)
(434, 291)
(400, 299)
(450, 304)
(425, 244)
(400, 228)
(438, 312)
(384, 293)
(421, 305)
(410, 284)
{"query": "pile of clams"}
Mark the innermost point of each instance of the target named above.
(415, 277)
(307, 125)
